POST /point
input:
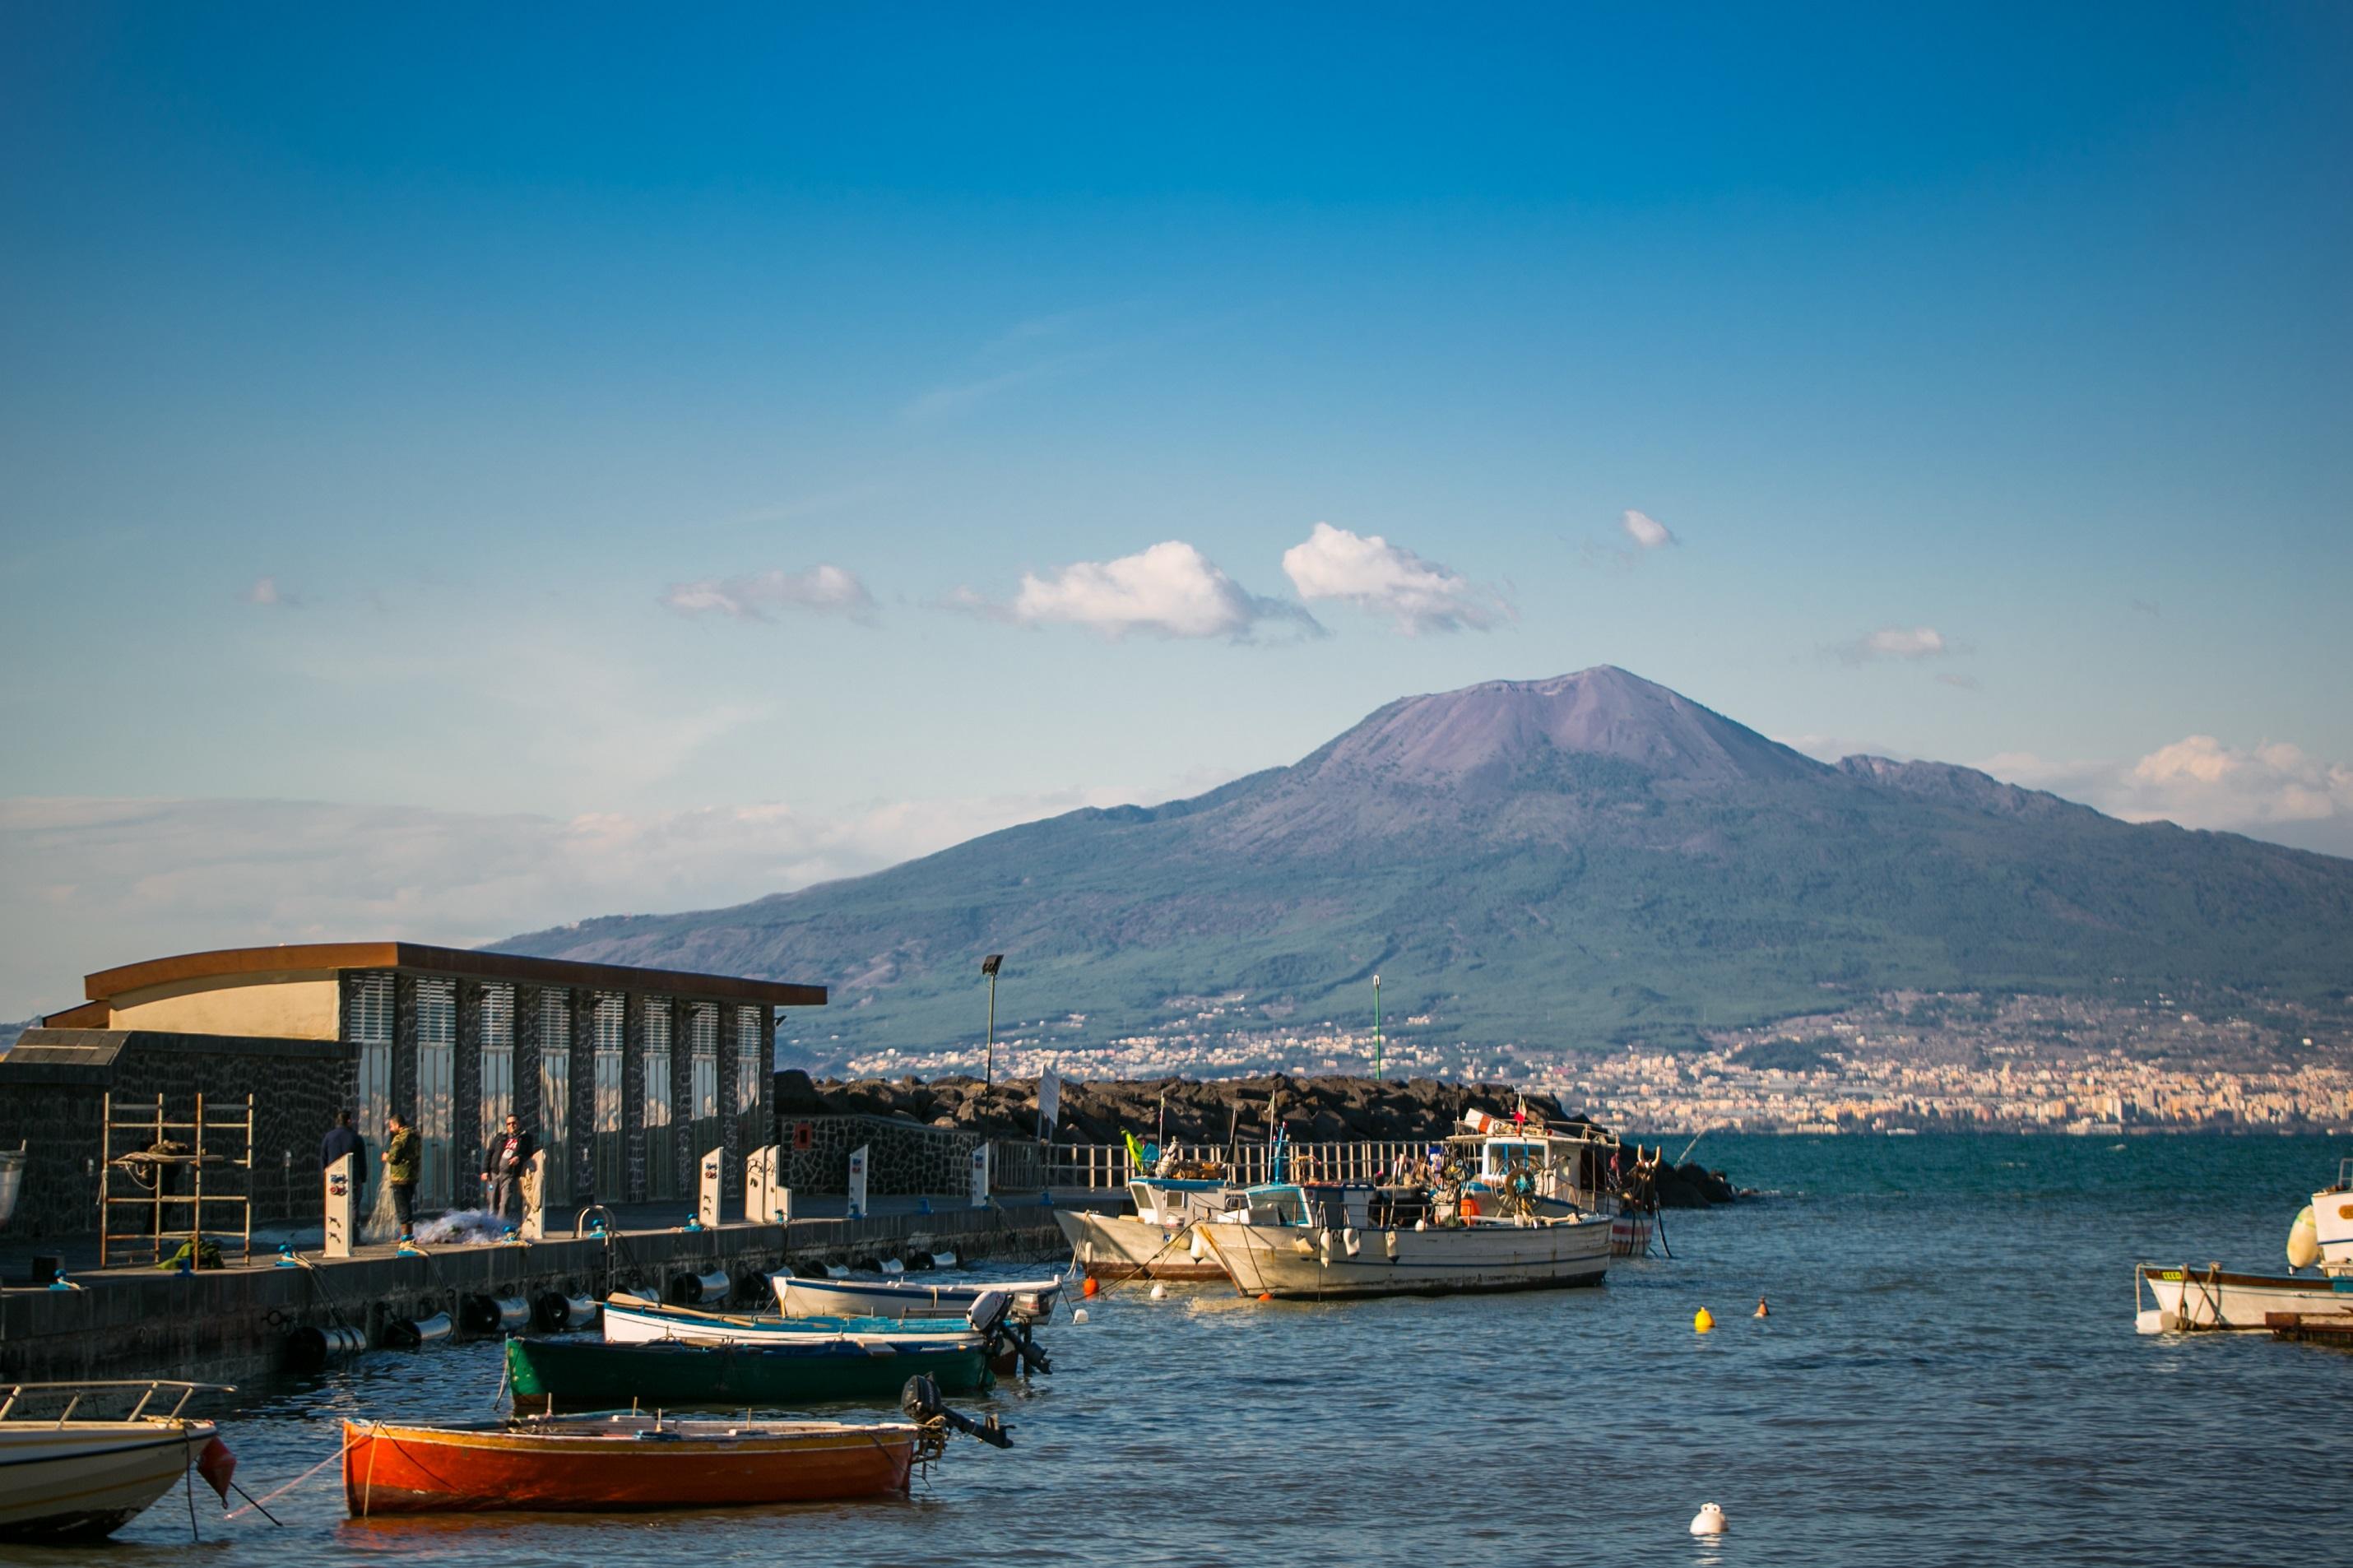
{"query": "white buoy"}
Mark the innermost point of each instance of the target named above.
(1709, 1520)
(1079, 1316)
(1159, 1293)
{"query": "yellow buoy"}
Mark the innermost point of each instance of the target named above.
(1703, 1320)
(1762, 1311)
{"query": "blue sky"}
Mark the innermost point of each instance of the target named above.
(421, 431)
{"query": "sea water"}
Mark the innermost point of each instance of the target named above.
(1949, 1374)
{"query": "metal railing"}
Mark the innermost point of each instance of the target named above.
(1106, 1166)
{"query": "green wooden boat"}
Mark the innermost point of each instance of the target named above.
(583, 1374)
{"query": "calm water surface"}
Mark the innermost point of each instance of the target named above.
(1950, 1374)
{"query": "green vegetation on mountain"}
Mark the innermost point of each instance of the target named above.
(1577, 862)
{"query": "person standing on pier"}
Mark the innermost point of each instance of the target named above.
(343, 1138)
(508, 1162)
(400, 1156)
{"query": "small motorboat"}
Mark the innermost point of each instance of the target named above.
(2213, 1298)
(1033, 1299)
(987, 1323)
(633, 1320)
(634, 1460)
(73, 1474)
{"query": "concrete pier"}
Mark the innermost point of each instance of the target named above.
(235, 1322)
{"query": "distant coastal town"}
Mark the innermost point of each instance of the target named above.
(1918, 1061)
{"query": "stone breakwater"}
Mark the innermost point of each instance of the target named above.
(1318, 1109)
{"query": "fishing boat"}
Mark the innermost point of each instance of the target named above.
(1562, 1169)
(1340, 1252)
(2212, 1297)
(559, 1374)
(66, 1475)
(1155, 1242)
(1033, 1299)
(633, 1320)
(616, 1462)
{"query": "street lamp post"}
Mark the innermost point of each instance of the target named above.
(1376, 1028)
(989, 966)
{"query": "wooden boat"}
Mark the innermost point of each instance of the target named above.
(617, 1462)
(581, 1374)
(632, 1321)
(2213, 1298)
(65, 1479)
(798, 1298)
(1333, 1260)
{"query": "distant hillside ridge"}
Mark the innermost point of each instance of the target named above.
(1579, 862)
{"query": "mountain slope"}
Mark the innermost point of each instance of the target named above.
(1571, 861)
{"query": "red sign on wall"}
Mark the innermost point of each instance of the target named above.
(804, 1134)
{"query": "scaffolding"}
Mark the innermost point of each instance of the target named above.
(145, 1160)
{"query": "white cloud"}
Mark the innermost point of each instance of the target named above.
(1912, 643)
(1389, 580)
(1171, 590)
(266, 593)
(105, 881)
(1646, 532)
(2272, 791)
(824, 590)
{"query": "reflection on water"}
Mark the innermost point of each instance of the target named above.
(1949, 1374)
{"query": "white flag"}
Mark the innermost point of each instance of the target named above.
(1050, 1103)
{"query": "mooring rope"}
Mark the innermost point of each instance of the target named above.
(341, 1450)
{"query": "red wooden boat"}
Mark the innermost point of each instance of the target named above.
(623, 1461)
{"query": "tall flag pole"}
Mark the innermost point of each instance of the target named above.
(1376, 1028)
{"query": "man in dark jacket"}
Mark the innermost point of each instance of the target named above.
(504, 1165)
(342, 1139)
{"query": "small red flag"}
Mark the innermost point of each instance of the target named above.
(216, 1464)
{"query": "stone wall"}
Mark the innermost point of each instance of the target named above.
(904, 1159)
(55, 1082)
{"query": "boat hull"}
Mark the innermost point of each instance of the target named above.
(390, 1470)
(1113, 1248)
(1267, 1260)
(2213, 1298)
(632, 1324)
(84, 1481)
(581, 1374)
(798, 1298)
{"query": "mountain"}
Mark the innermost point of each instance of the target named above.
(1579, 861)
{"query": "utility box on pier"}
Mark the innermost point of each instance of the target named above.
(706, 1196)
(534, 1198)
(343, 1218)
(766, 1199)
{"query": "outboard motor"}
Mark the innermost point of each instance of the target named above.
(991, 1314)
(921, 1401)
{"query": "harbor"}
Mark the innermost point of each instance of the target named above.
(1826, 1419)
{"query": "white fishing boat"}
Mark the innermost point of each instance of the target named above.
(633, 1320)
(1033, 1299)
(68, 1473)
(1160, 1239)
(2213, 1298)
(1525, 1164)
(1338, 1252)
